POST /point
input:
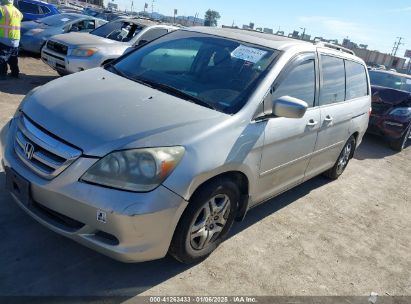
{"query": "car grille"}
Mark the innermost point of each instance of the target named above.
(380, 108)
(44, 154)
(57, 47)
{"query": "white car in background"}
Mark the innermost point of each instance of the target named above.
(75, 52)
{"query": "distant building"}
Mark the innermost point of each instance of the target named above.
(268, 30)
(306, 37)
(112, 6)
(294, 34)
(347, 43)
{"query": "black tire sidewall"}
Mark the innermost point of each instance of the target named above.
(333, 172)
(401, 143)
(181, 247)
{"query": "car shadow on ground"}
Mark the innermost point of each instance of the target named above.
(25, 83)
(373, 147)
(36, 261)
(40, 262)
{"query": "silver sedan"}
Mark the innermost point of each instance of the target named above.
(34, 34)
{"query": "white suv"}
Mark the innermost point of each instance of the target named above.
(75, 52)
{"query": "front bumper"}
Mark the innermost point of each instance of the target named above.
(392, 127)
(66, 64)
(138, 226)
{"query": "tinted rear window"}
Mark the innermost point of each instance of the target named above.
(356, 80)
(30, 8)
(333, 80)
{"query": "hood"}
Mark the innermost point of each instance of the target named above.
(389, 96)
(98, 112)
(82, 39)
(29, 25)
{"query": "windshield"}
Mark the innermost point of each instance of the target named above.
(118, 30)
(57, 20)
(212, 71)
(390, 81)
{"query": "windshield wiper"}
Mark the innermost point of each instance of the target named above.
(175, 92)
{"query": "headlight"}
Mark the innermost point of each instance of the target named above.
(139, 170)
(87, 52)
(401, 112)
(34, 32)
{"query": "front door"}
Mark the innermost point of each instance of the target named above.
(289, 143)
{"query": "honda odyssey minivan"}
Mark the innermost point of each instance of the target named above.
(163, 149)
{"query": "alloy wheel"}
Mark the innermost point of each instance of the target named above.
(344, 158)
(209, 221)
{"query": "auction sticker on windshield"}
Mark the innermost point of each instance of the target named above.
(248, 53)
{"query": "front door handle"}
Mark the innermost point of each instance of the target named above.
(312, 123)
(328, 118)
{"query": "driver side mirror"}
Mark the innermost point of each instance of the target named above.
(289, 107)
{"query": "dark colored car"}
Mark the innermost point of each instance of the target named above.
(391, 107)
(33, 10)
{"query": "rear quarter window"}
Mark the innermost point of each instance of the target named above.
(29, 8)
(45, 10)
(356, 78)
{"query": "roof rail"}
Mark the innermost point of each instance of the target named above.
(335, 47)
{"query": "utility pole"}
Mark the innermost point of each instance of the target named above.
(396, 46)
(195, 19)
(152, 8)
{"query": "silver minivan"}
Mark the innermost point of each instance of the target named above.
(164, 148)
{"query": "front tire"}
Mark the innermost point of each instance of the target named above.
(206, 221)
(399, 144)
(343, 159)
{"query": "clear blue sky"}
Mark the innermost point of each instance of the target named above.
(376, 23)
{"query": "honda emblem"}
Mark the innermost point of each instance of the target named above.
(29, 151)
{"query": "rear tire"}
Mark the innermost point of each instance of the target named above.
(206, 221)
(343, 159)
(399, 144)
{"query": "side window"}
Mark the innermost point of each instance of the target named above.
(44, 10)
(407, 84)
(84, 25)
(153, 34)
(356, 80)
(89, 25)
(333, 80)
(26, 7)
(299, 83)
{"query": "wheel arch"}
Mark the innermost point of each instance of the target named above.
(243, 183)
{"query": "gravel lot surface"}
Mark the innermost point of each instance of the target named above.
(347, 237)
